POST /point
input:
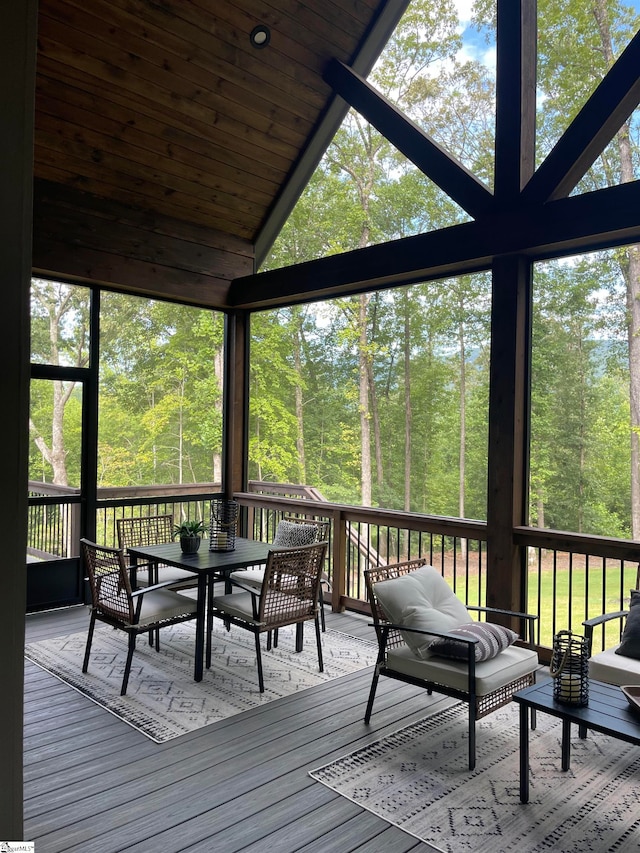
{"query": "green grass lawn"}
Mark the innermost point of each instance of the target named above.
(560, 599)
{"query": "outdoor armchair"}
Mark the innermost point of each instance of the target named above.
(288, 596)
(136, 612)
(619, 664)
(426, 637)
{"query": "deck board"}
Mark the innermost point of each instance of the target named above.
(93, 784)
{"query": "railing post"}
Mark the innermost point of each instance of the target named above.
(339, 560)
(73, 545)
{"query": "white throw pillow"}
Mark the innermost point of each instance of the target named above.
(422, 599)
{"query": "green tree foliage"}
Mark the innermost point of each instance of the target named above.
(160, 392)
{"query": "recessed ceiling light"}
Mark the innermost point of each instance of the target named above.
(260, 36)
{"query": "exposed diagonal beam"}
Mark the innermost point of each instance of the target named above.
(515, 97)
(608, 217)
(451, 176)
(591, 130)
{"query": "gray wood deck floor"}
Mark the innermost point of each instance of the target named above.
(93, 784)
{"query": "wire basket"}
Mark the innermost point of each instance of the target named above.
(570, 668)
(222, 527)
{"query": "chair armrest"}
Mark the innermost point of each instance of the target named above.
(143, 590)
(590, 624)
(605, 617)
(500, 610)
(444, 634)
(529, 618)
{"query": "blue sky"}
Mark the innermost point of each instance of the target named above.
(475, 45)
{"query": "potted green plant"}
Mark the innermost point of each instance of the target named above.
(190, 535)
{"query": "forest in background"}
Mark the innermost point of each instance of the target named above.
(382, 399)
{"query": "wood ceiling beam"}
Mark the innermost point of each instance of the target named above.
(590, 132)
(605, 218)
(443, 169)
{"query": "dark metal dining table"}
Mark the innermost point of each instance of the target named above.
(208, 566)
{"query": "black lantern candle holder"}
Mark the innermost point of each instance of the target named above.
(222, 527)
(570, 668)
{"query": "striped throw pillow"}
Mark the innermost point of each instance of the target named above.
(492, 639)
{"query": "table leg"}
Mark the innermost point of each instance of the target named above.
(524, 753)
(133, 572)
(200, 617)
(210, 582)
(566, 744)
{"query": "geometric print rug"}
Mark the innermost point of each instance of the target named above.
(418, 780)
(163, 701)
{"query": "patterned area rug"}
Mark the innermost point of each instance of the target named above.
(163, 701)
(418, 780)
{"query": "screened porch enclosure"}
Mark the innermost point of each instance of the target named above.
(489, 544)
(135, 167)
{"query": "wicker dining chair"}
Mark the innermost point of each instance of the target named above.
(152, 530)
(141, 611)
(413, 592)
(288, 596)
(292, 531)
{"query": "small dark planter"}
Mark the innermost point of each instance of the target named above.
(190, 544)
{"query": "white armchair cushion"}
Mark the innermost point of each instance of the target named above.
(613, 668)
(511, 664)
(422, 599)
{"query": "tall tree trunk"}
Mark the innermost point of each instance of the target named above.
(297, 361)
(375, 420)
(630, 265)
(218, 371)
(181, 435)
(55, 453)
(365, 416)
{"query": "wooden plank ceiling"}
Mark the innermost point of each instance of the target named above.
(165, 142)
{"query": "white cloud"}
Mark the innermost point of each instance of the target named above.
(464, 10)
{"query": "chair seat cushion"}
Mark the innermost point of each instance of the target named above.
(249, 577)
(237, 604)
(424, 600)
(613, 668)
(492, 639)
(162, 604)
(166, 574)
(512, 663)
(240, 606)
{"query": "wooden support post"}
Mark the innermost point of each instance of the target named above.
(17, 91)
(507, 499)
